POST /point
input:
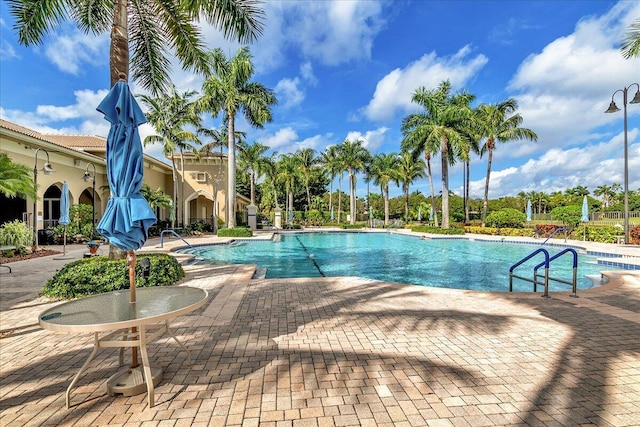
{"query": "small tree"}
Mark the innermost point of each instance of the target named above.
(569, 215)
(506, 218)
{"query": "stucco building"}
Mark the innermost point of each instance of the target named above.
(200, 181)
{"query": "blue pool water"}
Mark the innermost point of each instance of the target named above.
(447, 263)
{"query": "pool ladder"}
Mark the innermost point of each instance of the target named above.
(546, 277)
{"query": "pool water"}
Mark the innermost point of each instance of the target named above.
(447, 263)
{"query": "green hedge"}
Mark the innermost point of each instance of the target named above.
(351, 226)
(90, 276)
(437, 230)
(505, 231)
(235, 232)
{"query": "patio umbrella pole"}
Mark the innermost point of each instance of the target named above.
(131, 257)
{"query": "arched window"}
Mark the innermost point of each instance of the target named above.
(51, 206)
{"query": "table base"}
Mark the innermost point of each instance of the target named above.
(132, 382)
(128, 339)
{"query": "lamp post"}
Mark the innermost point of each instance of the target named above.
(612, 109)
(86, 178)
(46, 169)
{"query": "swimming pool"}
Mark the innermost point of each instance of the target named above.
(447, 263)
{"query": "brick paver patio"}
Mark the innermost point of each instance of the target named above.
(348, 352)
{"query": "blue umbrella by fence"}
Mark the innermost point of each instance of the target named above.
(528, 210)
(419, 214)
(585, 217)
(64, 215)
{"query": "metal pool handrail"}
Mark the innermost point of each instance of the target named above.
(534, 281)
(574, 282)
(162, 233)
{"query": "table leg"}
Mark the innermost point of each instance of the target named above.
(166, 324)
(96, 345)
(145, 365)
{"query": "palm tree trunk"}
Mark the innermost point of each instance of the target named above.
(182, 207)
(231, 184)
(405, 187)
(433, 194)
(339, 196)
(253, 183)
(466, 193)
(386, 204)
(119, 46)
(444, 153)
(485, 202)
(352, 197)
(331, 195)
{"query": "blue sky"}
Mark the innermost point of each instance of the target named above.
(347, 69)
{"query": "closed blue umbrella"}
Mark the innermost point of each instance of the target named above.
(585, 210)
(431, 214)
(64, 214)
(528, 210)
(585, 217)
(128, 216)
(419, 214)
(332, 214)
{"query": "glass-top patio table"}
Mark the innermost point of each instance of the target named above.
(112, 312)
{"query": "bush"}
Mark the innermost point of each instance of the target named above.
(16, 233)
(492, 231)
(351, 226)
(314, 216)
(235, 232)
(506, 218)
(437, 230)
(601, 233)
(634, 235)
(90, 276)
(569, 215)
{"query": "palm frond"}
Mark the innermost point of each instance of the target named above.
(35, 18)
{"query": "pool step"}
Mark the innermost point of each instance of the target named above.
(259, 273)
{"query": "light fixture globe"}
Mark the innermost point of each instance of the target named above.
(612, 108)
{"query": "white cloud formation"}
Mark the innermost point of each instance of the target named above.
(372, 139)
(289, 93)
(70, 51)
(394, 91)
(564, 90)
(306, 71)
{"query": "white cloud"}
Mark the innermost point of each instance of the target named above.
(288, 92)
(558, 169)
(564, 90)
(7, 51)
(306, 71)
(395, 90)
(69, 52)
(372, 140)
(282, 138)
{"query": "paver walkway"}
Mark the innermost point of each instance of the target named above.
(348, 352)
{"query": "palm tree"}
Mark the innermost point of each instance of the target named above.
(499, 123)
(271, 172)
(408, 170)
(631, 44)
(307, 162)
(170, 114)
(156, 198)
(606, 192)
(228, 89)
(148, 27)
(353, 156)
(330, 160)
(383, 171)
(16, 179)
(441, 127)
(251, 159)
(289, 174)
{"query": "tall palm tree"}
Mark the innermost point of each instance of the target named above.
(251, 159)
(16, 179)
(353, 156)
(228, 89)
(330, 160)
(171, 114)
(147, 27)
(409, 169)
(308, 160)
(441, 127)
(271, 172)
(499, 123)
(383, 171)
(289, 174)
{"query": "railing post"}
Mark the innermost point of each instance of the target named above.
(575, 282)
(546, 281)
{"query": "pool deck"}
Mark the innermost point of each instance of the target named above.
(340, 352)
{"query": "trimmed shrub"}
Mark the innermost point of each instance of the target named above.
(438, 230)
(569, 215)
(506, 218)
(90, 276)
(235, 232)
(352, 226)
(16, 233)
(492, 231)
(634, 235)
